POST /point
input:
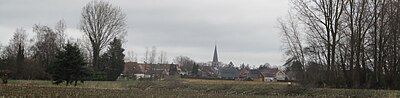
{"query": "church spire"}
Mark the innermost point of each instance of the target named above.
(215, 58)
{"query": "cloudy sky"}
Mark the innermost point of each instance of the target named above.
(245, 31)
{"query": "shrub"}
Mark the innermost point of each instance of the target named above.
(4, 75)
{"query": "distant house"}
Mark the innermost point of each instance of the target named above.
(157, 74)
(207, 72)
(243, 73)
(228, 73)
(157, 71)
(272, 74)
(255, 75)
(184, 73)
(140, 70)
(133, 70)
(280, 76)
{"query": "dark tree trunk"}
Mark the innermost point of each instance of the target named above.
(96, 57)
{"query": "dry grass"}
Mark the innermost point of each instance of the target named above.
(202, 81)
(105, 89)
(180, 88)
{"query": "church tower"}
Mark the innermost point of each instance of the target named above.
(215, 58)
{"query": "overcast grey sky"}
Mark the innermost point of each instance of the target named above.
(245, 30)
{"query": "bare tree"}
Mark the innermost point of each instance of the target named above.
(355, 42)
(131, 56)
(48, 42)
(292, 37)
(146, 56)
(184, 62)
(101, 22)
(378, 36)
(153, 54)
(359, 21)
(322, 20)
(19, 39)
(391, 69)
(162, 59)
(85, 47)
(15, 53)
(59, 29)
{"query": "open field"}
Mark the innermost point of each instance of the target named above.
(202, 81)
(179, 88)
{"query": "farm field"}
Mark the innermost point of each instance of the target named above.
(179, 88)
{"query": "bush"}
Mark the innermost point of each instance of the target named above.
(5, 75)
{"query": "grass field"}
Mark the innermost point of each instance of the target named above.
(179, 88)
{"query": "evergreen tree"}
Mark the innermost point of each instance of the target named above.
(69, 66)
(14, 57)
(20, 61)
(195, 69)
(230, 64)
(113, 60)
(173, 70)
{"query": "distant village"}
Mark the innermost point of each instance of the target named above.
(211, 70)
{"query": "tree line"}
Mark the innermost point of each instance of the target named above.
(50, 55)
(343, 43)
